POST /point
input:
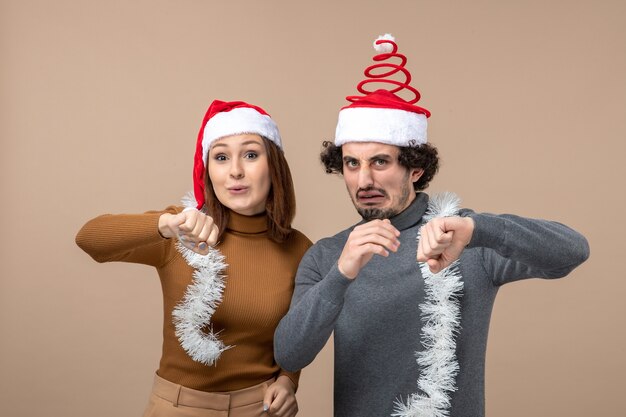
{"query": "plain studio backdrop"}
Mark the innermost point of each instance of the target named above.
(101, 102)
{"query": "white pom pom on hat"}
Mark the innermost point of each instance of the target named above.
(384, 48)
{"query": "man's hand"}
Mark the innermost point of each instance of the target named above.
(196, 230)
(442, 241)
(377, 237)
(280, 398)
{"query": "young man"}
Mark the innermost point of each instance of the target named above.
(410, 335)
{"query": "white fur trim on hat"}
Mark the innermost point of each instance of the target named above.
(238, 121)
(390, 126)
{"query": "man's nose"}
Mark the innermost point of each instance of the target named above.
(365, 178)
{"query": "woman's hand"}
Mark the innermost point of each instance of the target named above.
(194, 229)
(280, 398)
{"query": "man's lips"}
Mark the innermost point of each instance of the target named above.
(370, 196)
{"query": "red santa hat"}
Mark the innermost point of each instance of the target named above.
(381, 115)
(224, 119)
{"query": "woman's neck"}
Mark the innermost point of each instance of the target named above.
(247, 224)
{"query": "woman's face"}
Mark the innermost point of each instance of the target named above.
(239, 172)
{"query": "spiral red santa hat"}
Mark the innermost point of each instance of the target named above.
(381, 115)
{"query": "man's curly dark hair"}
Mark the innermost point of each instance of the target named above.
(424, 156)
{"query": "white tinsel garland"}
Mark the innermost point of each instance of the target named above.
(441, 314)
(192, 316)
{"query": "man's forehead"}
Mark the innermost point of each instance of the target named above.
(367, 150)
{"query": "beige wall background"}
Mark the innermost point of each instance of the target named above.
(100, 105)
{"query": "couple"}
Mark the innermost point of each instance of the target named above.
(248, 302)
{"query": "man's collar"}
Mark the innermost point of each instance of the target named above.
(412, 214)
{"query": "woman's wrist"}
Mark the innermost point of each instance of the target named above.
(284, 379)
(163, 226)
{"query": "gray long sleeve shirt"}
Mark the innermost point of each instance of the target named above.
(376, 317)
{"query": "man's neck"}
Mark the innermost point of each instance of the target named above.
(413, 213)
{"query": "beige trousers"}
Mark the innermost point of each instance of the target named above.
(172, 400)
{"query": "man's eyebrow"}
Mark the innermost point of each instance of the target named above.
(380, 156)
(376, 157)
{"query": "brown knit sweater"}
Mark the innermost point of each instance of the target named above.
(259, 283)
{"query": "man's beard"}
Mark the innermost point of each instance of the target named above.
(373, 213)
(376, 213)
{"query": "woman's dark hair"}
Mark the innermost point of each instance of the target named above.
(281, 200)
(424, 156)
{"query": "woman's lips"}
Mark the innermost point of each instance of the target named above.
(237, 190)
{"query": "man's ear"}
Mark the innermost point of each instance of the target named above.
(416, 173)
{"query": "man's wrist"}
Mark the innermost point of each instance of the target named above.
(471, 226)
(341, 271)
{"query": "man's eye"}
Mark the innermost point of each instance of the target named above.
(351, 163)
(380, 162)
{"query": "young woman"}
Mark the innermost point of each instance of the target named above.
(227, 264)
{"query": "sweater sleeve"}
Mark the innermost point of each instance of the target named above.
(515, 248)
(315, 306)
(126, 238)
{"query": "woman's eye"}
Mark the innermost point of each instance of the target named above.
(251, 155)
(220, 157)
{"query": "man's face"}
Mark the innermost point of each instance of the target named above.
(378, 185)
